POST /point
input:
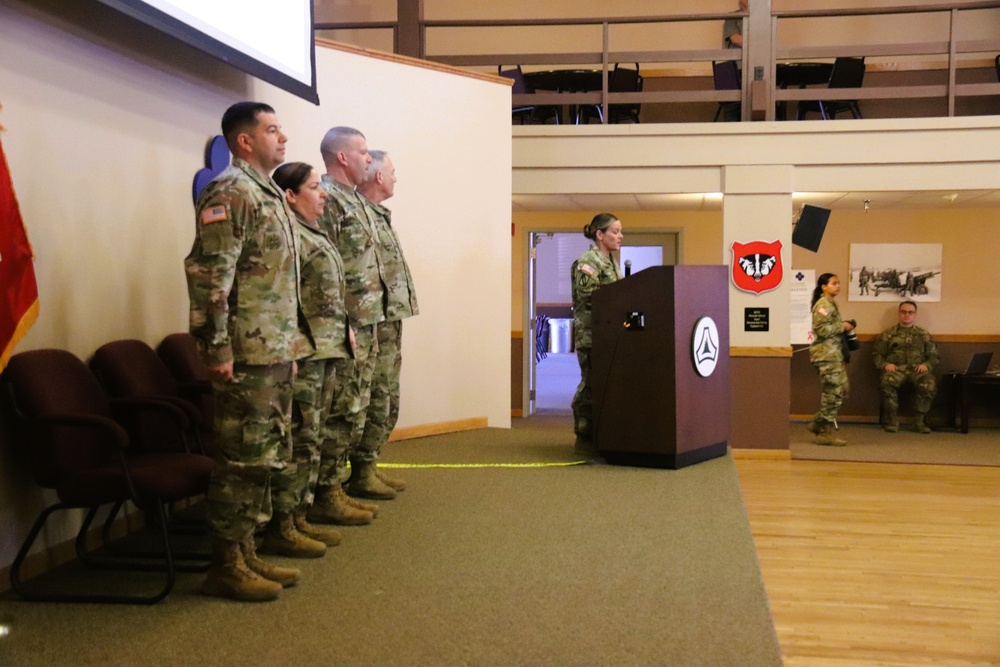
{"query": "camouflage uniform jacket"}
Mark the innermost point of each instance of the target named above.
(400, 297)
(322, 292)
(828, 332)
(591, 270)
(242, 272)
(345, 221)
(907, 347)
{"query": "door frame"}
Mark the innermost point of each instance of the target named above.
(529, 293)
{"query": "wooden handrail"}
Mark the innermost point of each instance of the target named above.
(875, 11)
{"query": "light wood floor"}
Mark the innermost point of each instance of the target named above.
(870, 564)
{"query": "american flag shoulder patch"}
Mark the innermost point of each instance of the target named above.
(214, 214)
(587, 268)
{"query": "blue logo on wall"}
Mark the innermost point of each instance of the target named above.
(216, 160)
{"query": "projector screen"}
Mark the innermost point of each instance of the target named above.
(270, 39)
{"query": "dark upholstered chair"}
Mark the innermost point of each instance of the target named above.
(179, 351)
(131, 369)
(847, 73)
(75, 447)
(726, 76)
(621, 80)
(526, 113)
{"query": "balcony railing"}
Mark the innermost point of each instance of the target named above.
(760, 94)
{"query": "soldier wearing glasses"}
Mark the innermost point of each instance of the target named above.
(905, 353)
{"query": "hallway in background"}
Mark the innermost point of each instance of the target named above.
(558, 375)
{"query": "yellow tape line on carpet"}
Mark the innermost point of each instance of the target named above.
(482, 465)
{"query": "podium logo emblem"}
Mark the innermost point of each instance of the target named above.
(705, 346)
(757, 266)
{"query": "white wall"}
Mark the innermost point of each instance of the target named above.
(106, 126)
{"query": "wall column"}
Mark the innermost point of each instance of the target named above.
(757, 206)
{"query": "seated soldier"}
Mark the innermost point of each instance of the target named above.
(906, 353)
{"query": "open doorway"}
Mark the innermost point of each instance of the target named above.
(553, 372)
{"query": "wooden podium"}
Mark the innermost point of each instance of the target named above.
(654, 404)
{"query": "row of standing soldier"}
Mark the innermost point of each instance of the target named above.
(298, 289)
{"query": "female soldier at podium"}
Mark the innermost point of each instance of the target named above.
(594, 268)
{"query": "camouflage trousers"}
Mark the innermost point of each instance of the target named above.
(924, 383)
(383, 405)
(360, 385)
(292, 487)
(833, 376)
(583, 403)
(339, 425)
(254, 437)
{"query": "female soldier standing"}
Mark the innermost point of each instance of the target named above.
(827, 354)
(594, 268)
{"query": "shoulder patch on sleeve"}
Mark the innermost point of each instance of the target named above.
(587, 268)
(823, 311)
(214, 214)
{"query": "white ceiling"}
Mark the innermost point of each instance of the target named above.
(713, 201)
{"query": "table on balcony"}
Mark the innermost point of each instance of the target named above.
(566, 81)
(799, 75)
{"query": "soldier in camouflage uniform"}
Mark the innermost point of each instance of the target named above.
(597, 266)
(826, 352)
(400, 303)
(321, 376)
(242, 275)
(345, 154)
(906, 353)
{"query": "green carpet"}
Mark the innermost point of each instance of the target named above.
(562, 565)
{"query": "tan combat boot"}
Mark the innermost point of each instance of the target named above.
(286, 576)
(920, 423)
(360, 504)
(815, 427)
(364, 483)
(327, 536)
(331, 506)
(281, 538)
(829, 438)
(395, 483)
(229, 577)
(890, 421)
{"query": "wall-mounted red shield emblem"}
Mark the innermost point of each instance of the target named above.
(757, 266)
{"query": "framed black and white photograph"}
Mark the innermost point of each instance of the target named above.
(895, 271)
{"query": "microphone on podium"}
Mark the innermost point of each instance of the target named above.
(628, 267)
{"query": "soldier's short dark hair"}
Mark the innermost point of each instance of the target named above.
(912, 303)
(241, 117)
(291, 175)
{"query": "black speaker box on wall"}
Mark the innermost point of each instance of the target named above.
(809, 230)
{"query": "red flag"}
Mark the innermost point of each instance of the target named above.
(18, 290)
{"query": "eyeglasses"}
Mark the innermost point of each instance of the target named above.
(907, 312)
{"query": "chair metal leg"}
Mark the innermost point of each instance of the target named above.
(37, 596)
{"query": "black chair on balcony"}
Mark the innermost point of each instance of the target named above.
(847, 73)
(526, 113)
(726, 76)
(621, 80)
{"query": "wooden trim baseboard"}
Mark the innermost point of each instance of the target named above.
(439, 428)
(776, 352)
(762, 454)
